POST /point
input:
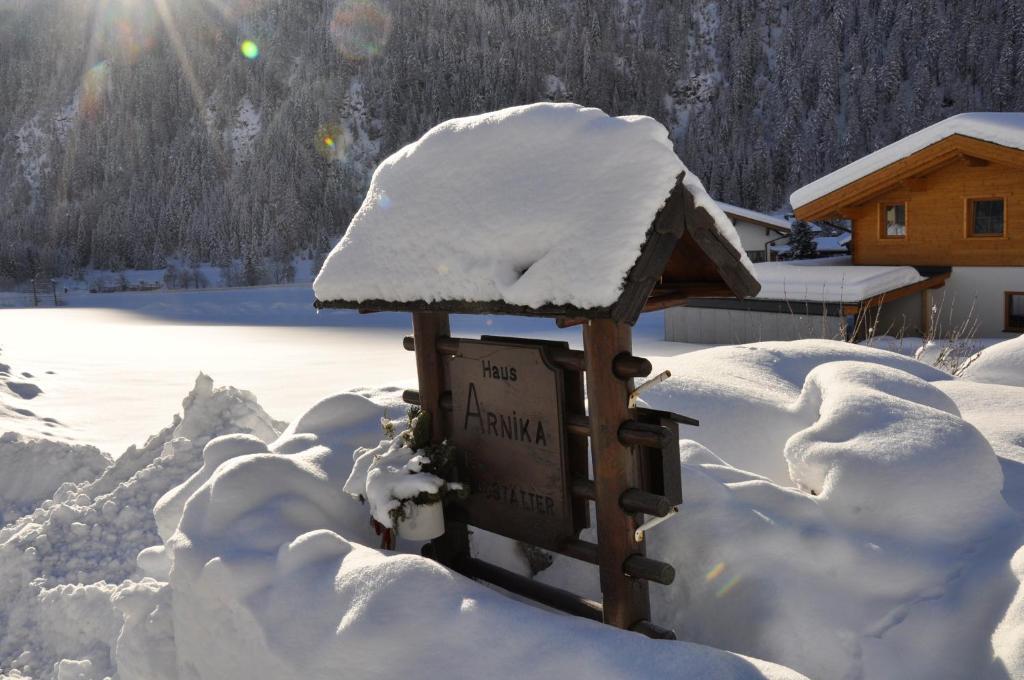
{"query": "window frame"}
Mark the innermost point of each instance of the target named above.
(883, 226)
(1008, 300)
(969, 203)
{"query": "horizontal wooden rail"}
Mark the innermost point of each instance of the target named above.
(626, 366)
(653, 630)
(632, 433)
(640, 566)
(637, 566)
(551, 596)
(633, 500)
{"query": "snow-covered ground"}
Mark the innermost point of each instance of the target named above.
(849, 512)
(110, 367)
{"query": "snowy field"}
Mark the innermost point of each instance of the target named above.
(849, 512)
(124, 360)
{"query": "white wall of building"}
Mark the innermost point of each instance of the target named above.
(977, 293)
(754, 237)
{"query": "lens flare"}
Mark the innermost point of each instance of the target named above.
(715, 572)
(130, 30)
(729, 585)
(360, 28)
(332, 141)
(92, 95)
(250, 50)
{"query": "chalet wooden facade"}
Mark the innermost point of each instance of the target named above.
(948, 198)
(959, 202)
(937, 215)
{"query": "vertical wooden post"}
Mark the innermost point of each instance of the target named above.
(616, 469)
(452, 548)
(427, 327)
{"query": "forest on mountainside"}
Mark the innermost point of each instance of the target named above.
(223, 131)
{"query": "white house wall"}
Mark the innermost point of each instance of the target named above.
(753, 236)
(977, 293)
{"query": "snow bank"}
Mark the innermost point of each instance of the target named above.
(743, 395)
(531, 205)
(265, 585)
(842, 516)
(58, 564)
(1008, 640)
(1000, 364)
(880, 433)
(873, 532)
(829, 283)
(1005, 129)
(33, 469)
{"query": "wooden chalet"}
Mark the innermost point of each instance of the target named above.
(948, 199)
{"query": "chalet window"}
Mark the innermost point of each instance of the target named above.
(1014, 312)
(894, 220)
(986, 216)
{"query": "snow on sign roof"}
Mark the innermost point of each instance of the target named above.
(739, 213)
(817, 281)
(1005, 129)
(531, 207)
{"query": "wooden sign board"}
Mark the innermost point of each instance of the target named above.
(508, 417)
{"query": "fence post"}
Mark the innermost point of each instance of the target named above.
(616, 470)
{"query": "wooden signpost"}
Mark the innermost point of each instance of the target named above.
(547, 435)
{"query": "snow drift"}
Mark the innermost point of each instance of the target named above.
(848, 522)
(845, 515)
(265, 585)
(999, 364)
(59, 564)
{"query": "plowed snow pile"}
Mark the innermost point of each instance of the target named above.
(845, 515)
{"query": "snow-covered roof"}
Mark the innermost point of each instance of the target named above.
(739, 213)
(531, 206)
(1005, 129)
(830, 280)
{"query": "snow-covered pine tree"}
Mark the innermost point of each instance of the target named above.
(802, 245)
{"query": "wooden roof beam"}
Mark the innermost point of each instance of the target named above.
(973, 161)
(953, 149)
(914, 184)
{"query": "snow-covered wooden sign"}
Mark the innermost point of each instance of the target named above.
(542, 210)
(546, 210)
(508, 417)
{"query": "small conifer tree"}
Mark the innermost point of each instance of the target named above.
(802, 245)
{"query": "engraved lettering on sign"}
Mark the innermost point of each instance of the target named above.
(507, 418)
(512, 495)
(499, 372)
(513, 426)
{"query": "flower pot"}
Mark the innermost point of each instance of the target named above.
(422, 522)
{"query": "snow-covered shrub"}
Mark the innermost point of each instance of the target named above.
(401, 473)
